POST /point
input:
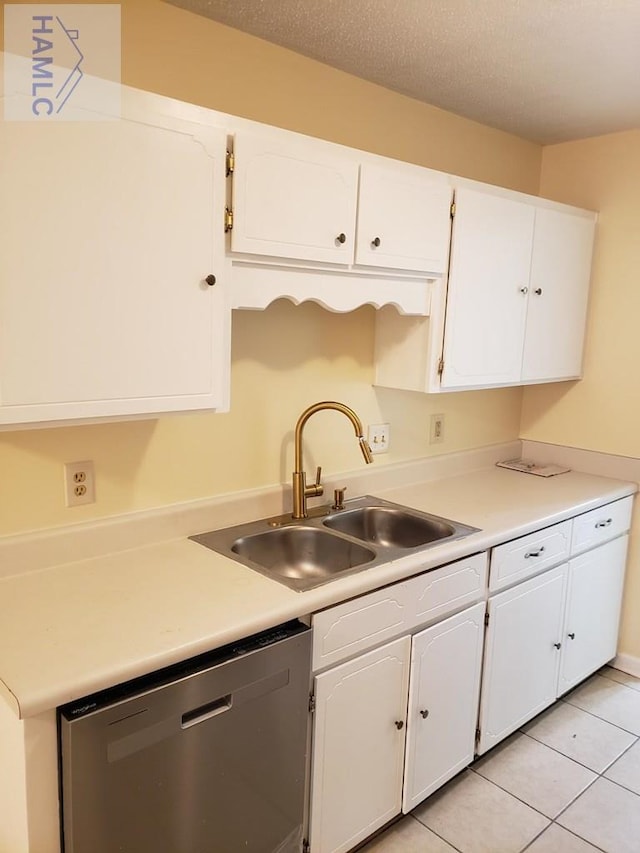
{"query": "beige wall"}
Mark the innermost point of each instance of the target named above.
(602, 412)
(286, 357)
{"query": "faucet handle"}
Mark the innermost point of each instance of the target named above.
(338, 498)
(315, 490)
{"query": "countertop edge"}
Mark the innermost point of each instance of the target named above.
(290, 605)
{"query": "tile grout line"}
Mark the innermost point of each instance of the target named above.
(453, 847)
(552, 820)
(598, 717)
(597, 775)
(619, 785)
(621, 683)
(580, 763)
(575, 835)
(515, 796)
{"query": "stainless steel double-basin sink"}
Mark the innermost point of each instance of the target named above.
(332, 543)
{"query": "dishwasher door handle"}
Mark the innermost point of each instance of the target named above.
(205, 712)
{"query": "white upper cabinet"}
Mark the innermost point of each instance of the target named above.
(488, 287)
(518, 288)
(294, 198)
(558, 292)
(109, 231)
(514, 310)
(403, 220)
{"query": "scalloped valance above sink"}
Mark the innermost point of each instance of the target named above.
(255, 287)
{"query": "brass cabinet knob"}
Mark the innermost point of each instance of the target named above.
(210, 279)
(341, 238)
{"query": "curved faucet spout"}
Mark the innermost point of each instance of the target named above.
(300, 489)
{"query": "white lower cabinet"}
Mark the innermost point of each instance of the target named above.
(446, 660)
(358, 757)
(393, 724)
(521, 658)
(594, 597)
(374, 757)
(547, 634)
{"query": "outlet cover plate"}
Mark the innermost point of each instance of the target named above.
(79, 483)
(436, 431)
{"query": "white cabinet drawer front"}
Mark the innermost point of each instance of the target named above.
(528, 555)
(445, 590)
(359, 624)
(601, 524)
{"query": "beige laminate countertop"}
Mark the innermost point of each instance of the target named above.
(76, 628)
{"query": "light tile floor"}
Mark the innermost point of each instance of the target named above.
(568, 782)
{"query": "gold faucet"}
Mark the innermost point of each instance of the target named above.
(300, 489)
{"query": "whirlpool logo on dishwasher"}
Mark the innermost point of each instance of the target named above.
(61, 62)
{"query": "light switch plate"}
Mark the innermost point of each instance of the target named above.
(378, 437)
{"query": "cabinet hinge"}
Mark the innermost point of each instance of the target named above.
(441, 367)
(228, 219)
(306, 847)
(231, 162)
(312, 703)
(452, 209)
(486, 619)
(478, 733)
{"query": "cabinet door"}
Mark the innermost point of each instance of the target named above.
(293, 198)
(487, 295)
(558, 291)
(358, 750)
(522, 654)
(109, 231)
(443, 703)
(403, 220)
(592, 617)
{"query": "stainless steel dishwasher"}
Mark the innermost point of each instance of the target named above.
(203, 757)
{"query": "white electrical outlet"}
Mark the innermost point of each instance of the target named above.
(436, 433)
(79, 483)
(378, 437)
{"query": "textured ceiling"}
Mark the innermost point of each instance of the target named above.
(546, 70)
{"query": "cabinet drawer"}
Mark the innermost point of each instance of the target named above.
(358, 625)
(600, 525)
(365, 622)
(445, 590)
(524, 557)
